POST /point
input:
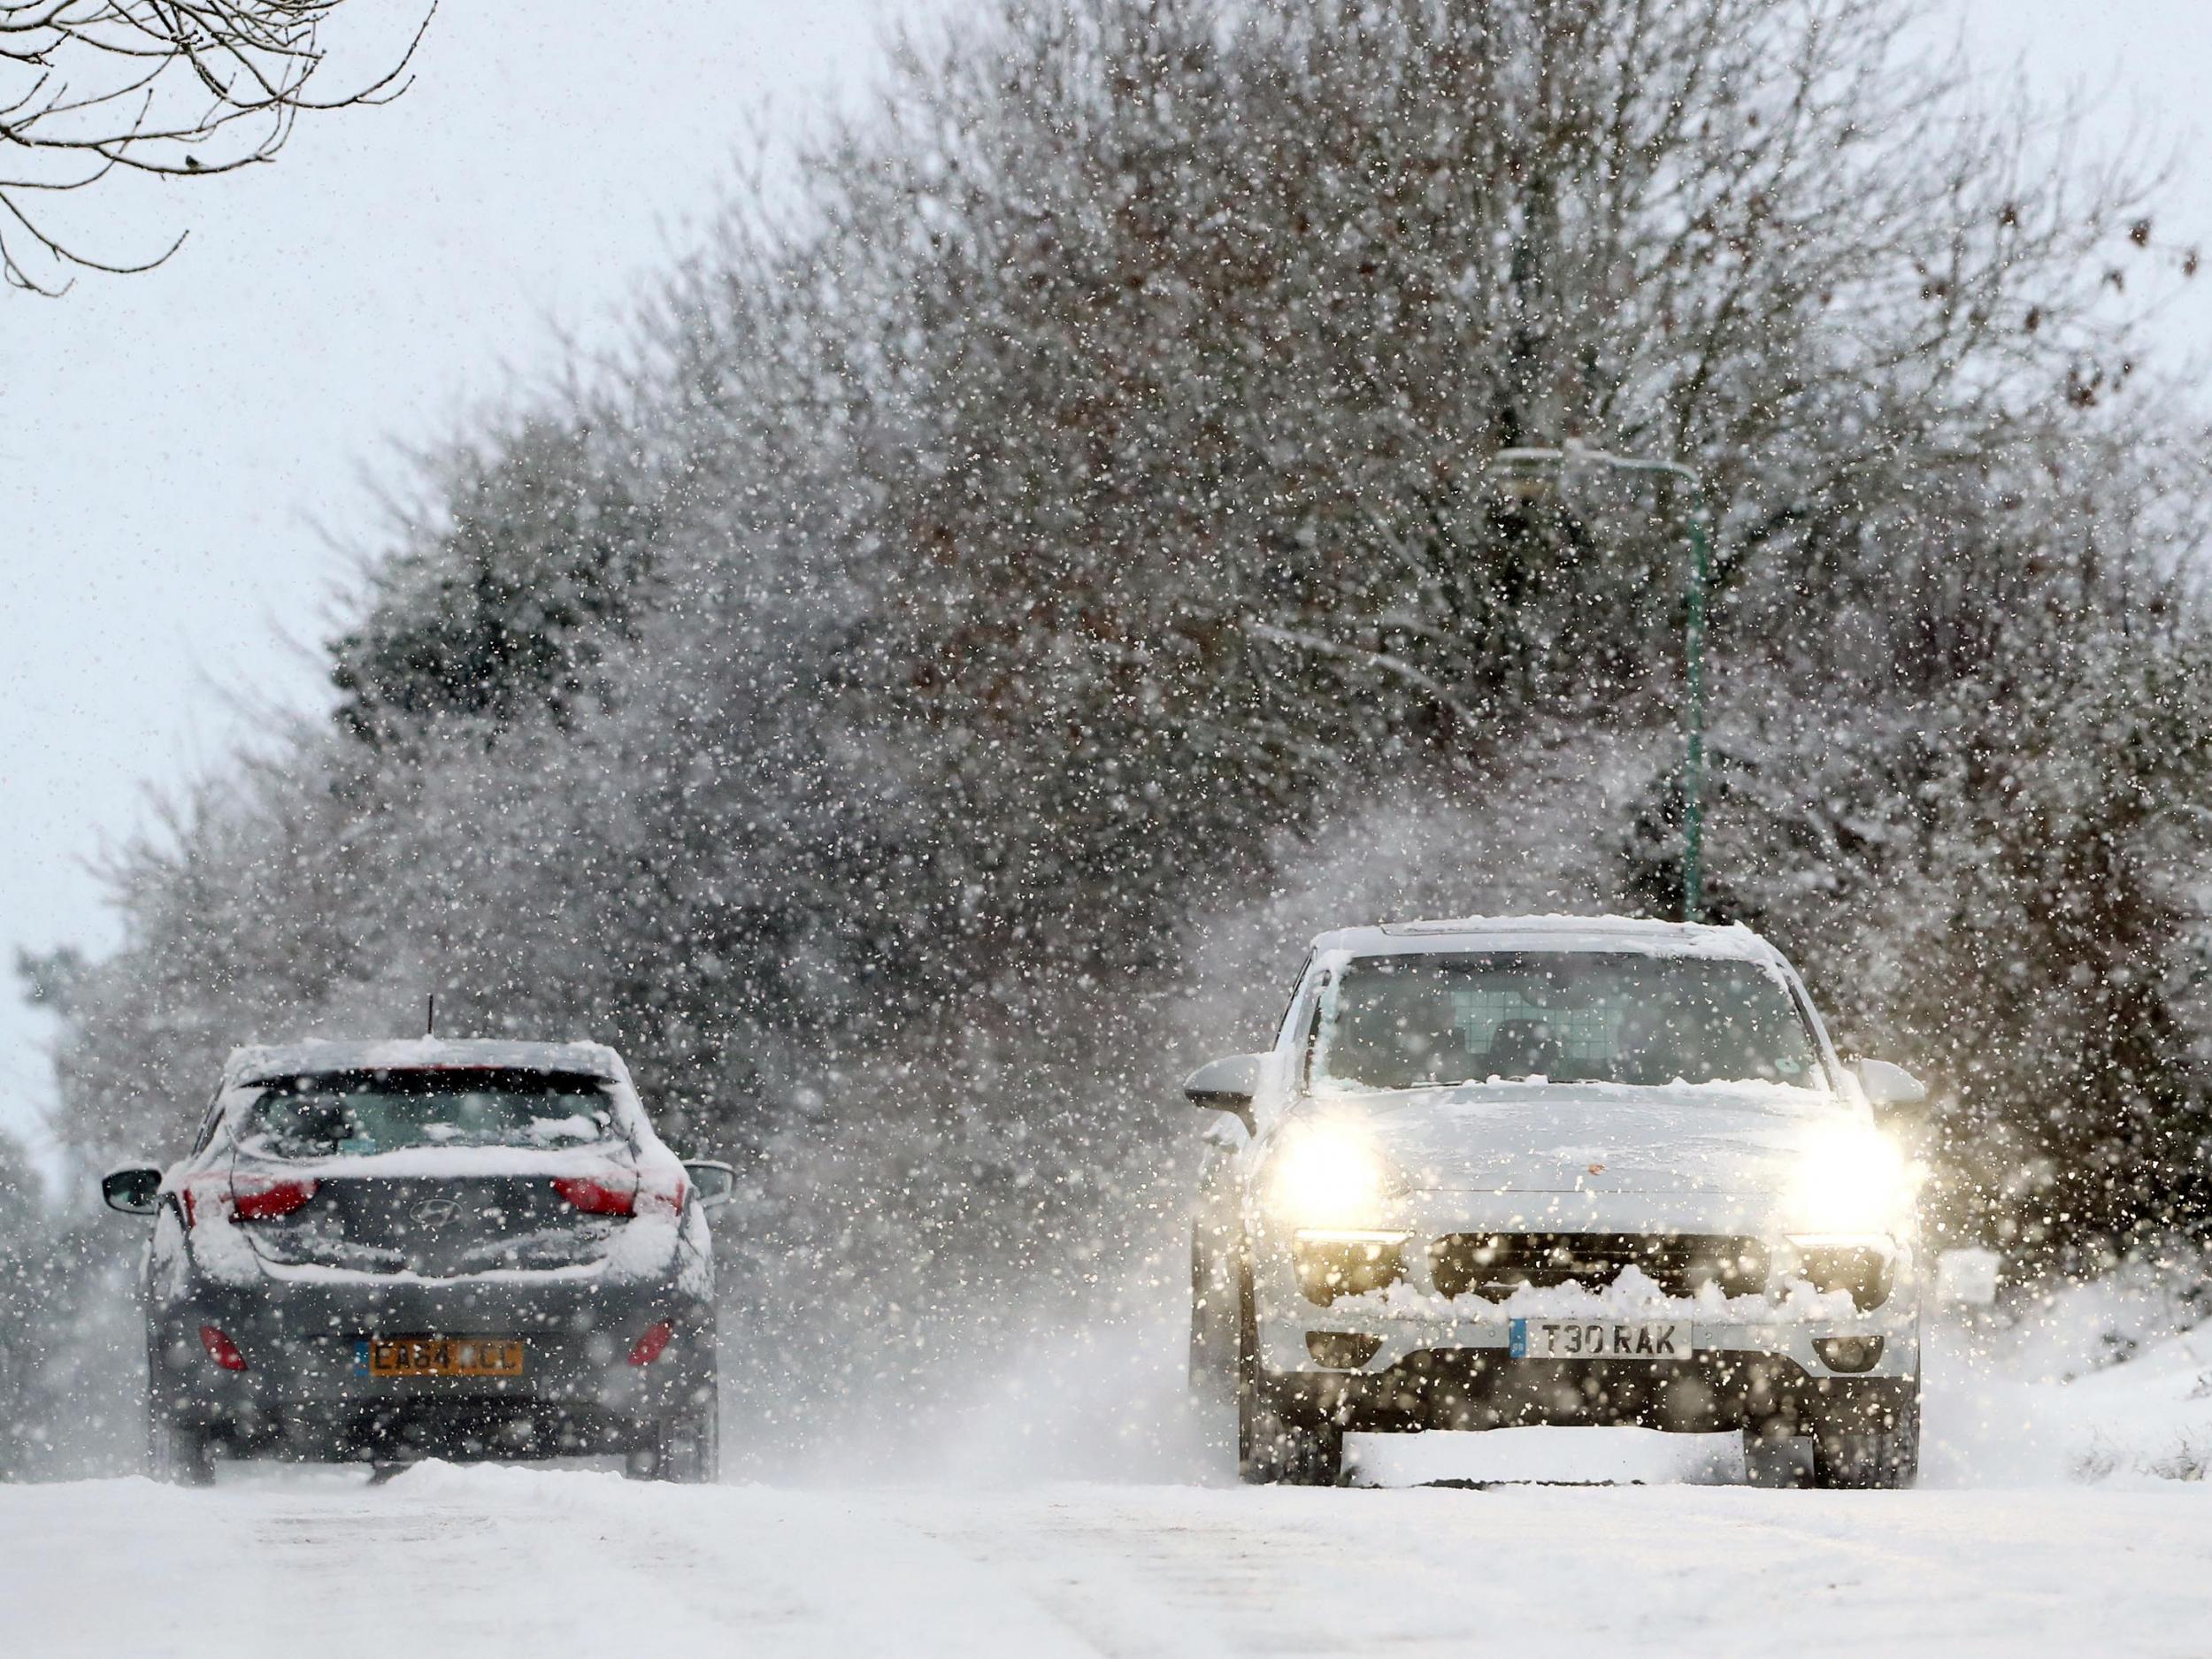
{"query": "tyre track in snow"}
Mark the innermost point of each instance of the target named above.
(516, 1561)
(1133, 1580)
(524, 1562)
(1709, 1571)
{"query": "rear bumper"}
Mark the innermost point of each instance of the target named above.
(308, 1391)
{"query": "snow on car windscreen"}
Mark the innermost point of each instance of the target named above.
(359, 1113)
(1426, 1021)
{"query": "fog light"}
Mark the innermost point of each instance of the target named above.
(1341, 1350)
(1849, 1354)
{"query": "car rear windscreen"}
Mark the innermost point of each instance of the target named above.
(361, 1113)
(1429, 1021)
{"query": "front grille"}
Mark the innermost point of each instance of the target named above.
(1348, 1264)
(1493, 1265)
(1860, 1269)
(1341, 1350)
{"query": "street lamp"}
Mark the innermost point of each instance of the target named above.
(1532, 466)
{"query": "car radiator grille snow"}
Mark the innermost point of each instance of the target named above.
(1493, 1265)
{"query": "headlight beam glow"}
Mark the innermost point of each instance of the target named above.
(1854, 1182)
(1326, 1175)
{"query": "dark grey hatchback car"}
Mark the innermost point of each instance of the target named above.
(378, 1252)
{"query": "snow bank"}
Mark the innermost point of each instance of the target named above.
(2102, 1382)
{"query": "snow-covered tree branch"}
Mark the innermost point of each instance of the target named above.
(1062, 544)
(182, 88)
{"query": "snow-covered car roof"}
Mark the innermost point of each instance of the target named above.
(421, 1053)
(1619, 934)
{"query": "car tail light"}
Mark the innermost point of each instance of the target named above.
(596, 1198)
(648, 1347)
(265, 1202)
(208, 1197)
(221, 1349)
(202, 1197)
(665, 1196)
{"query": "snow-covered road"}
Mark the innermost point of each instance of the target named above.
(488, 1562)
(1079, 1506)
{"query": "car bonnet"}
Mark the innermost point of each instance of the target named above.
(1733, 1138)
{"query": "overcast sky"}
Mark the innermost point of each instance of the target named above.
(170, 441)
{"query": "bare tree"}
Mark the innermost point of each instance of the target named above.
(1028, 572)
(185, 88)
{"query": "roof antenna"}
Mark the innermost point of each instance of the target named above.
(430, 1018)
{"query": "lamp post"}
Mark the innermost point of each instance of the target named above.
(1532, 465)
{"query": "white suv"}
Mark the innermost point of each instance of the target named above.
(1558, 1170)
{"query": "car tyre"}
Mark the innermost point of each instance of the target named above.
(179, 1453)
(686, 1450)
(1866, 1448)
(1775, 1458)
(1279, 1442)
(1213, 1351)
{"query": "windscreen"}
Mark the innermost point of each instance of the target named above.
(1424, 1021)
(361, 1113)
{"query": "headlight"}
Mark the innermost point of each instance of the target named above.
(1327, 1175)
(1854, 1181)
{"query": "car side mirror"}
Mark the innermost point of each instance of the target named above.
(714, 1181)
(1889, 1089)
(134, 1189)
(1227, 1086)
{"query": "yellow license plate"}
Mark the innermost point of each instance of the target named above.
(439, 1356)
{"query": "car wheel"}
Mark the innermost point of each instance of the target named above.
(686, 1450)
(1279, 1443)
(181, 1454)
(1213, 1354)
(1775, 1457)
(1869, 1446)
